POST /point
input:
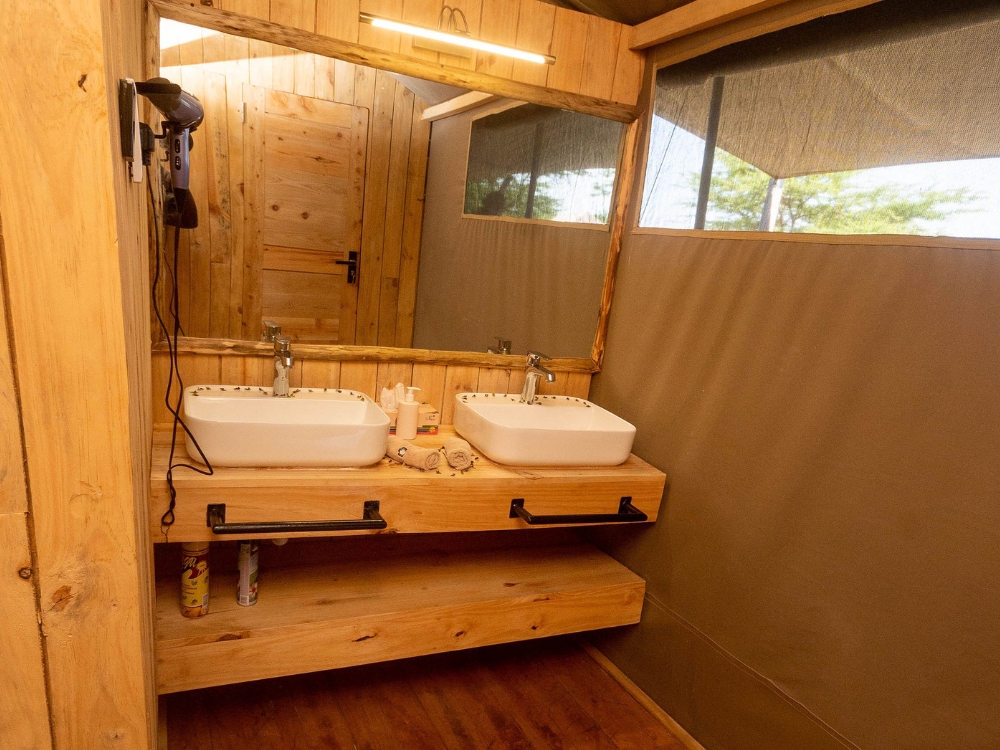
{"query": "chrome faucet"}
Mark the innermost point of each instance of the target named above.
(283, 362)
(502, 347)
(533, 370)
(271, 331)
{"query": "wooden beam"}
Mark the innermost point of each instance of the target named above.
(625, 194)
(695, 16)
(775, 18)
(458, 105)
(338, 353)
(60, 249)
(392, 62)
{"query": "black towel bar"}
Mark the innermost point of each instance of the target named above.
(627, 513)
(371, 519)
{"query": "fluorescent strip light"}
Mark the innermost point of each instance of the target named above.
(458, 40)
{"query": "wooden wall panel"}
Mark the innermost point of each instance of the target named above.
(359, 376)
(567, 72)
(382, 93)
(413, 219)
(338, 19)
(73, 239)
(419, 13)
(219, 293)
(395, 206)
(24, 715)
(629, 71)
(438, 383)
(603, 37)
(498, 24)
(457, 379)
(126, 24)
(535, 27)
(430, 380)
(13, 497)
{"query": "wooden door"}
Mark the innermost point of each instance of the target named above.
(306, 193)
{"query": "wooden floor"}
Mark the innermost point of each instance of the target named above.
(543, 694)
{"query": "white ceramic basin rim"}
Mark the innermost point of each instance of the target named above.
(554, 431)
(249, 426)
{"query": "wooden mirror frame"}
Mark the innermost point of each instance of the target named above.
(249, 27)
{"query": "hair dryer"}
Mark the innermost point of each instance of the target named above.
(183, 114)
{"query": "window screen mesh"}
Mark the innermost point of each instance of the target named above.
(893, 130)
(534, 162)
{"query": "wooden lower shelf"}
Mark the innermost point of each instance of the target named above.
(381, 607)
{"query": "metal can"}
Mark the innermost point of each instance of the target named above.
(194, 579)
(246, 590)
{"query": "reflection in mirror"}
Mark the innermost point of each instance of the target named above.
(534, 162)
(535, 283)
(332, 207)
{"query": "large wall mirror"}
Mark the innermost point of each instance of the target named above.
(351, 206)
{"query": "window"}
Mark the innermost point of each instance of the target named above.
(534, 162)
(821, 130)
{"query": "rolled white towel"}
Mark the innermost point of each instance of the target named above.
(458, 452)
(405, 452)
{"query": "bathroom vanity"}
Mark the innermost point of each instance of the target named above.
(400, 590)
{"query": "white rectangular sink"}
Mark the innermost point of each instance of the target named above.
(249, 426)
(554, 431)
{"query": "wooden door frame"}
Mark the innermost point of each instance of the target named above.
(307, 41)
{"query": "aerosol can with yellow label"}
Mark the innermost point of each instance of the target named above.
(194, 579)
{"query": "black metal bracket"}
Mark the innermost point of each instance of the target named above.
(627, 513)
(216, 518)
(352, 266)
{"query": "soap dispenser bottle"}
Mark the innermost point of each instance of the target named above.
(406, 418)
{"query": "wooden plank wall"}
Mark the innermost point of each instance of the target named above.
(124, 25)
(62, 246)
(438, 383)
(24, 713)
(592, 54)
(211, 269)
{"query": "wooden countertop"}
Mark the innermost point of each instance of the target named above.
(418, 500)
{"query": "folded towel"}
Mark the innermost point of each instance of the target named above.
(407, 453)
(458, 452)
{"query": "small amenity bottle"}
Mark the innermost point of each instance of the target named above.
(406, 418)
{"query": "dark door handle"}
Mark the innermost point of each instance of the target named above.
(627, 513)
(370, 519)
(352, 266)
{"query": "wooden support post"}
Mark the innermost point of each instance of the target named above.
(769, 214)
(711, 137)
(536, 156)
